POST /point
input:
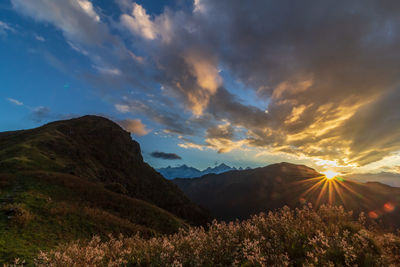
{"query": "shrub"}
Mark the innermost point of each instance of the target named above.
(300, 237)
(18, 213)
(5, 179)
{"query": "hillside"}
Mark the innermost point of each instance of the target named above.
(239, 194)
(75, 178)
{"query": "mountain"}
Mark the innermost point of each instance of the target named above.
(182, 171)
(389, 178)
(75, 178)
(185, 171)
(239, 194)
(218, 169)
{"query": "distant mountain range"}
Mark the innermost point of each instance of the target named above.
(239, 194)
(389, 178)
(185, 171)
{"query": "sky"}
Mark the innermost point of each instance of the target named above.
(202, 82)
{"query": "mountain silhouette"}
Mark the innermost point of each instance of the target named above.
(389, 178)
(241, 193)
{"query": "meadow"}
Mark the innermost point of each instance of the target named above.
(328, 236)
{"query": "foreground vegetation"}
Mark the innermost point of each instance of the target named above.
(300, 237)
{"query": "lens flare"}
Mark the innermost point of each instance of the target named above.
(328, 188)
(388, 207)
(373, 215)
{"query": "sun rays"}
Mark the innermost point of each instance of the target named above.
(325, 188)
(331, 188)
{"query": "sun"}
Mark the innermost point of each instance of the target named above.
(330, 174)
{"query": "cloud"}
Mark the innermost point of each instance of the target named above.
(108, 71)
(220, 138)
(5, 27)
(225, 131)
(309, 61)
(198, 6)
(327, 73)
(139, 22)
(15, 101)
(134, 126)
(389, 178)
(191, 76)
(204, 68)
(373, 129)
(77, 48)
(41, 113)
(221, 145)
(88, 34)
(88, 8)
(163, 155)
(396, 169)
(185, 66)
(77, 19)
(226, 106)
(122, 108)
(37, 114)
(172, 121)
(39, 38)
(188, 145)
(224, 145)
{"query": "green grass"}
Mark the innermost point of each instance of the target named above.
(63, 210)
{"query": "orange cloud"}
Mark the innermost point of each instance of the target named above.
(134, 126)
(204, 68)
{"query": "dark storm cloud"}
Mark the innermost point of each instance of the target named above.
(374, 130)
(224, 105)
(163, 155)
(40, 114)
(318, 63)
(221, 131)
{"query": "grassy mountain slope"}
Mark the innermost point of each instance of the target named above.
(238, 194)
(75, 178)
